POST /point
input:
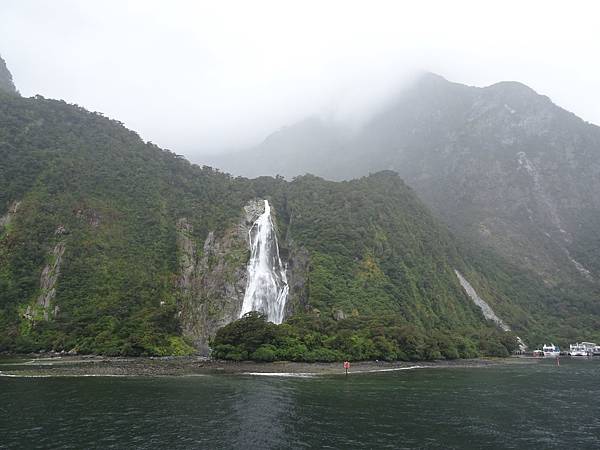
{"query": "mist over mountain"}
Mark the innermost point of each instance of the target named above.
(271, 225)
(502, 165)
(112, 245)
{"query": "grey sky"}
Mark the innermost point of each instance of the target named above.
(199, 76)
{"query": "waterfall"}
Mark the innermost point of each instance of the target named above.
(486, 309)
(266, 288)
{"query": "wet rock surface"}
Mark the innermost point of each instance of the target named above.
(213, 275)
(212, 278)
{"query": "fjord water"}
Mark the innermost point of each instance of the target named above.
(511, 406)
(267, 288)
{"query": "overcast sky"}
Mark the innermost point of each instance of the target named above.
(200, 76)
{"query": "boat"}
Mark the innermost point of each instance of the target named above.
(582, 349)
(551, 351)
(596, 351)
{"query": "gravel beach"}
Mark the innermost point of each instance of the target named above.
(25, 365)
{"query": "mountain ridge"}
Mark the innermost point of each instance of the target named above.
(6, 80)
(111, 245)
(508, 171)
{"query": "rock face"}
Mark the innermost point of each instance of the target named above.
(89, 215)
(7, 218)
(486, 309)
(6, 81)
(213, 277)
(506, 168)
(45, 306)
(298, 266)
(212, 280)
(48, 279)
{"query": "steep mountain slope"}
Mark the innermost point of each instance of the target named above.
(502, 165)
(88, 251)
(284, 152)
(6, 81)
(515, 176)
(114, 246)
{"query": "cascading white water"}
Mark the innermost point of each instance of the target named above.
(486, 309)
(266, 288)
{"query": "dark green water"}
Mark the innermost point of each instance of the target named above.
(512, 406)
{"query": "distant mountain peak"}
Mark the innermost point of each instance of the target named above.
(6, 80)
(430, 77)
(514, 87)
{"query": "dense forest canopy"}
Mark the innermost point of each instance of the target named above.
(90, 255)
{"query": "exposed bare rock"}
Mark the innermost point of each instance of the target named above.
(90, 215)
(338, 314)
(580, 268)
(7, 218)
(60, 230)
(253, 209)
(28, 314)
(212, 275)
(486, 309)
(212, 281)
(187, 255)
(502, 165)
(48, 280)
(298, 266)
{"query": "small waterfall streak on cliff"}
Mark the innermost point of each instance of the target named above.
(486, 309)
(267, 287)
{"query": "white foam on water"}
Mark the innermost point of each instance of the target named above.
(314, 374)
(14, 375)
(282, 374)
(393, 369)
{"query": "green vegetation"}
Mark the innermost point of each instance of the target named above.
(538, 312)
(118, 200)
(524, 198)
(312, 338)
(376, 259)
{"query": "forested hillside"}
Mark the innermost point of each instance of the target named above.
(88, 251)
(515, 177)
(110, 245)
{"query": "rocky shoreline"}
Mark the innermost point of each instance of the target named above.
(43, 366)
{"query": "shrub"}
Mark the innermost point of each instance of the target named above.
(264, 353)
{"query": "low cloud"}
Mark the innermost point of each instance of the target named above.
(199, 77)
